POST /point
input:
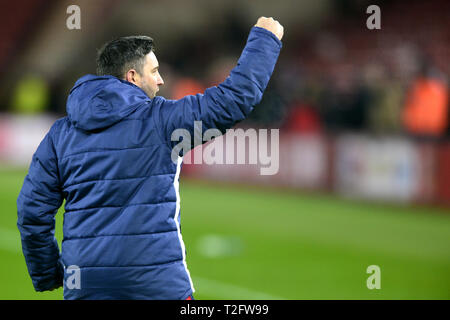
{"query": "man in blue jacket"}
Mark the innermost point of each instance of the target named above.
(110, 159)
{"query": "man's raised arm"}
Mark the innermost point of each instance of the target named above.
(224, 105)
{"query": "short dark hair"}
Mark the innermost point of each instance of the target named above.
(120, 55)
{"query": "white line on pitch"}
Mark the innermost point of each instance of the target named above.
(10, 241)
(230, 291)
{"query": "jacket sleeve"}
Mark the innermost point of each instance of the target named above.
(37, 204)
(222, 106)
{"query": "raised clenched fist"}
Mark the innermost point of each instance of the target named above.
(272, 25)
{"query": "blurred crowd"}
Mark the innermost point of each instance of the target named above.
(337, 77)
(387, 81)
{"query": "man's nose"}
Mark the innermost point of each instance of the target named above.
(160, 81)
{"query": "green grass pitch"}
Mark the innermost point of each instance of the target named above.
(247, 243)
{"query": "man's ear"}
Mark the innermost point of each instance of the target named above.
(132, 76)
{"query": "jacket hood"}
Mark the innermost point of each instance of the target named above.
(97, 102)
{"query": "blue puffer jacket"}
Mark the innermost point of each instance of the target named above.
(110, 159)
